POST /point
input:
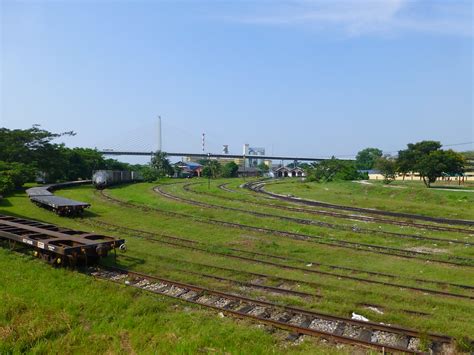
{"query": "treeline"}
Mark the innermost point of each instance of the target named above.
(333, 170)
(161, 166)
(425, 158)
(30, 154)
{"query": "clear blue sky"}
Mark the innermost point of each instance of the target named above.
(312, 78)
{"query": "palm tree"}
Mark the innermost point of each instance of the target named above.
(161, 163)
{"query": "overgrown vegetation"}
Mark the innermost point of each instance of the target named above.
(366, 158)
(425, 158)
(54, 293)
(29, 154)
(214, 169)
(54, 311)
(430, 161)
(387, 166)
(410, 196)
(333, 169)
(160, 166)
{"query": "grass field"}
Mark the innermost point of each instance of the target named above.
(410, 196)
(46, 311)
(142, 317)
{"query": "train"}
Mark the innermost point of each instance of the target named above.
(103, 178)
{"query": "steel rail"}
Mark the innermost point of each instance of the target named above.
(334, 241)
(280, 279)
(254, 285)
(291, 235)
(258, 187)
(343, 215)
(272, 313)
(225, 188)
(286, 258)
(244, 306)
(178, 242)
(316, 223)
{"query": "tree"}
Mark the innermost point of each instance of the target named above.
(27, 145)
(440, 162)
(27, 153)
(161, 164)
(149, 173)
(428, 159)
(333, 169)
(366, 158)
(211, 168)
(387, 167)
(112, 164)
(81, 162)
(33, 147)
(6, 184)
(230, 170)
(14, 175)
(263, 168)
(409, 158)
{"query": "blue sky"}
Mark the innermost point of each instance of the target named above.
(313, 78)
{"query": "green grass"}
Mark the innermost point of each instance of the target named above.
(341, 297)
(45, 310)
(409, 196)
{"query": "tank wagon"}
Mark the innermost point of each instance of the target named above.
(103, 178)
(43, 197)
(56, 245)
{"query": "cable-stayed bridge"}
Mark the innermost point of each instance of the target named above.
(214, 155)
(144, 140)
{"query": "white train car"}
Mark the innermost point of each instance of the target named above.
(103, 178)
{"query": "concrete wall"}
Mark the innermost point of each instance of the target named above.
(469, 177)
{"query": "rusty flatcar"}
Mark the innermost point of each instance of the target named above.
(56, 245)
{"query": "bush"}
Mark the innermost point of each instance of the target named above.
(149, 173)
(6, 184)
(230, 170)
(14, 175)
(333, 169)
(388, 168)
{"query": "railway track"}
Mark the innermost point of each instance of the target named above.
(264, 277)
(346, 216)
(301, 321)
(298, 236)
(258, 187)
(317, 223)
(249, 285)
(297, 320)
(201, 247)
(225, 188)
(334, 242)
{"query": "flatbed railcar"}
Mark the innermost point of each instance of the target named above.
(43, 197)
(56, 245)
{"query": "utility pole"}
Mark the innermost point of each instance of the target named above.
(159, 134)
(210, 170)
